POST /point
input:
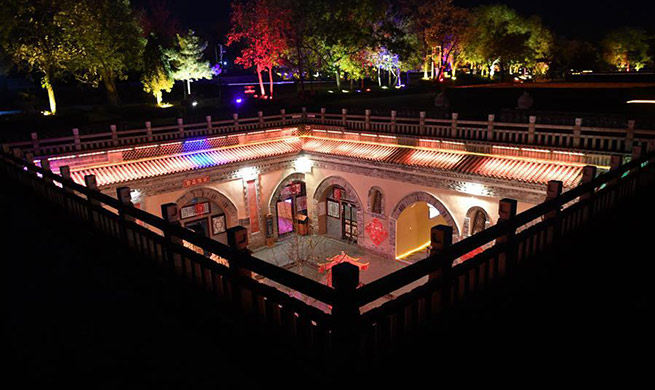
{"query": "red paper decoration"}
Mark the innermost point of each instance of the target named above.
(376, 231)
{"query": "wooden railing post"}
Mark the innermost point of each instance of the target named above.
(588, 175)
(322, 115)
(180, 127)
(29, 158)
(76, 139)
(393, 121)
(235, 117)
(637, 153)
(553, 191)
(35, 143)
(65, 173)
(114, 135)
(149, 131)
(345, 312)
(441, 237)
(283, 115)
(367, 120)
(260, 116)
(208, 120)
(506, 211)
(344, 118)
(577, 132)
(453, 125)
(490, 127)
(124, 196)
(45, 165)
(303, 115)
(616, 160)
(170, 214)
(92, 185)
(237, 238)
(421, 123)
(532, 121)
(629, 136)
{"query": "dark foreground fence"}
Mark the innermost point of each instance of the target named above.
(514, 241)
(576, 136)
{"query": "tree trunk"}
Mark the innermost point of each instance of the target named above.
(51, 94)
(188, 87)
(270, 81)
(425, 67)
(158, 97)
(261, 82)
(379, 78)
(110, 86)
(300, 68)
(338, 77)
(352, 83)
(432, 73)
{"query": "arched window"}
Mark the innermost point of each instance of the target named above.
(375, 201)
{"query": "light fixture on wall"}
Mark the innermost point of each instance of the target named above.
(303, 165)
(248, 173)
(136, 196)
(474, 189)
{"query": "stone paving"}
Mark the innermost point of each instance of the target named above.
(317, 249)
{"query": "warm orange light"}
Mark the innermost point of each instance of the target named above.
(412, 251)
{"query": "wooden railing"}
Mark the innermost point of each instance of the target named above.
(514, 241)
(573, 137)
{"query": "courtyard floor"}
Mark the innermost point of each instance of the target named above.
(318, 249)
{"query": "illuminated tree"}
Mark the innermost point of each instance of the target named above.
(157, 73)
(35, 38)
(108, 34)
(498, 36)
(295, 34)
(186, 59)
(343, 29)
(626, 49)
(259, 26)
(446, 35)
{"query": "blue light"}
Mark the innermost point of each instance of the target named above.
(238, 100)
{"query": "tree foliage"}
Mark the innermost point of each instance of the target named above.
(259, 25)
(108, 35)
(498, 36)
(156, 76)
(186, 59)
(626, 49)
(36, 38)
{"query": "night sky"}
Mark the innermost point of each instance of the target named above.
(583, 19)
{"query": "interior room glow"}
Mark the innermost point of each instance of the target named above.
(432, 211)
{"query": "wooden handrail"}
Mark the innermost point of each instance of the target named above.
(277, 274)
(404, 276)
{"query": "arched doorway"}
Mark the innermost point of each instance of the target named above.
(288, 206)
(411, 222)
(339, 209)
(207, 212)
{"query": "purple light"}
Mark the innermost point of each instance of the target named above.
(238, 100)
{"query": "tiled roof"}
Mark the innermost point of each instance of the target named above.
(514, 169)
(521, 170)
(159, 166)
